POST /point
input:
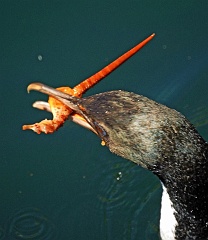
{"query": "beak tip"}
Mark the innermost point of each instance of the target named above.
(34, 86)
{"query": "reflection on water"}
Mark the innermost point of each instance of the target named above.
(29, 223)
(198, 116)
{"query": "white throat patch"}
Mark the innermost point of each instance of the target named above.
(168, 222)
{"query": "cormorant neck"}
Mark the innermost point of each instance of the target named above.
(185, 184)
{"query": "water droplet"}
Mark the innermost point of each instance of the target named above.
(40, 57)
(119, 176)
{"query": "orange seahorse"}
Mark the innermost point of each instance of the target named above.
(61, 112)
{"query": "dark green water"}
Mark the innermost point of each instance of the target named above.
(66, 185)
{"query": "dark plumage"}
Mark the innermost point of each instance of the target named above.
(163, 141)
(159, 139)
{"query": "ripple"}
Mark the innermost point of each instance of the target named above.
(113, 181)
(126, 193)
(198, 116)
(31, 224)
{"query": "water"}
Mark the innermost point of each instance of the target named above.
(66, 185)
